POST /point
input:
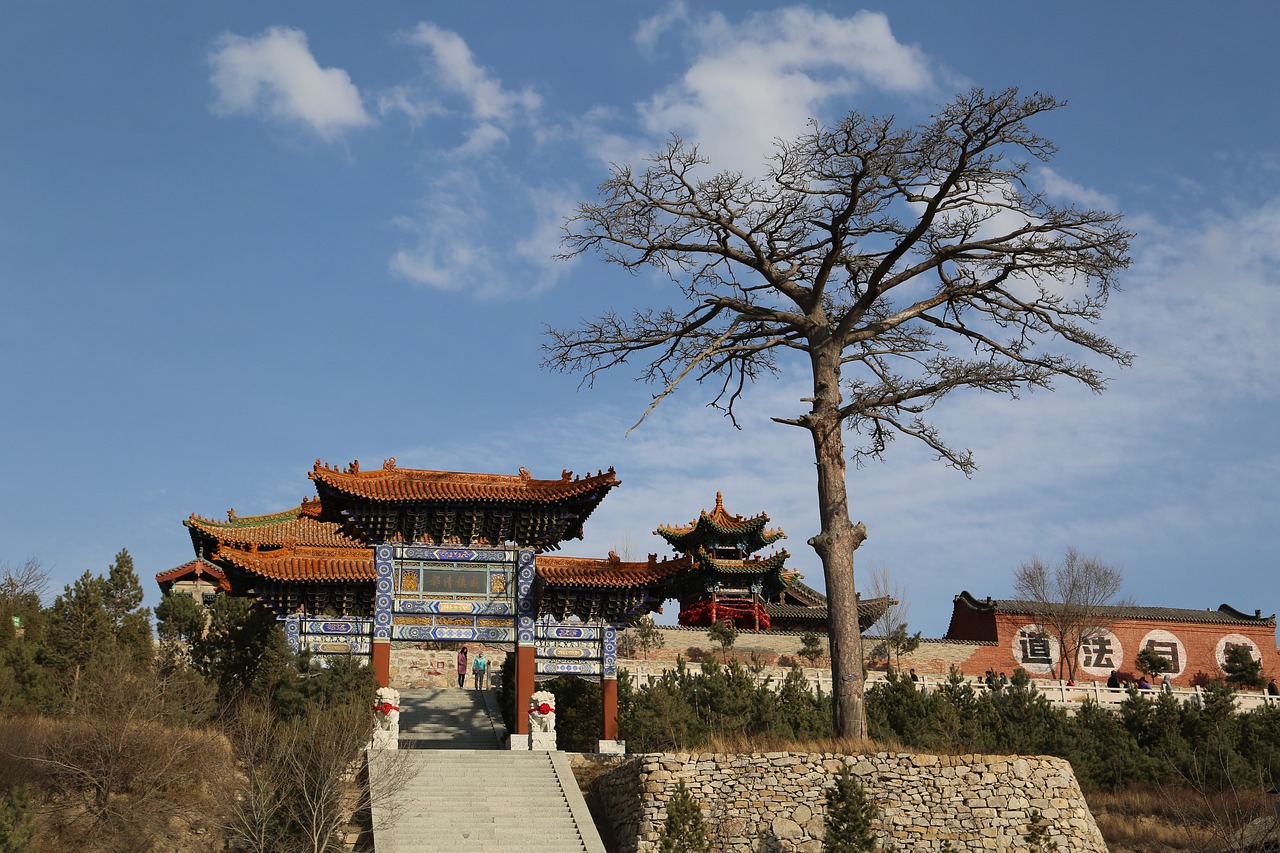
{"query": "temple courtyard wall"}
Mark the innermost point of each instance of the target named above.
(780, 649)
(776, 801)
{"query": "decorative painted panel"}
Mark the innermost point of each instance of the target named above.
(473, 633)
(358, 627)
(544, 631)
(440, 554)
(525, 610)
(487, 608)
(384, 591)
(563, 667)
(293, 633)
(610, 661)
(567, 649)
(323, 645)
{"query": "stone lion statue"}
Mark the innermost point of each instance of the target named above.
(542, 711)
(386, 719)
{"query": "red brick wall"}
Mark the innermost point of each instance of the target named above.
(1197, 645)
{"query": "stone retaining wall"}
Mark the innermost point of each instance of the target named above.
(776, 801)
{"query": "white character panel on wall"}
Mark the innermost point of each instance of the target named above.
(1168, 647)
(1220, 653)
(1036, 650)
(1100, 653)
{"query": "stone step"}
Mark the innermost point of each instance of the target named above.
(466, 795)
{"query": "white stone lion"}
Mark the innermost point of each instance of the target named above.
(386, 719)
(542, 711)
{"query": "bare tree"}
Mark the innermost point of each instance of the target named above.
(869, 250)
(1071, 599)
(20, 583)
(304, 778)
(891, 627)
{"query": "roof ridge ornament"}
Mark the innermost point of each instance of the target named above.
(353, 467)
(389, 464)
(231, 514)
(524, 474)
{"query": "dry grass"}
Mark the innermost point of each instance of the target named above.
(118, 784)
(1144, 819)
(738, 744)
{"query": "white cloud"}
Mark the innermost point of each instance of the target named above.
(274, 74)
(490, 105)
(762, 78)
(406, 99)
(652, 28)
(485, 232)
(1058, 187)
(1201, 303)
(539, 245)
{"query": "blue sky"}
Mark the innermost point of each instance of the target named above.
(236, 237)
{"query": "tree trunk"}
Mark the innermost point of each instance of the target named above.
(835, 545)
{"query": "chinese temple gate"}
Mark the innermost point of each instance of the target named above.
(387, 559)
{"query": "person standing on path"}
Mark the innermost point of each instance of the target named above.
(478, 667)
(462, 667)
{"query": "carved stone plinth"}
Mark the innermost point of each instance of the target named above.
(542, 741)
(612, 747)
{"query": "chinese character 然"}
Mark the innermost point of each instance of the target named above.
(1035, 647)
(1168, 651)
(1097, 652)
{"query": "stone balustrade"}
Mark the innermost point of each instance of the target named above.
(1056, 691)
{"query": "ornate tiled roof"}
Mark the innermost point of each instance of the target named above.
(610, 572)
(299, 525)
(390, 483)
(801, 590)
(1225, 614)
(721, 522)
(751, 565)
(303, 563)
(197, 568)
(869, 610)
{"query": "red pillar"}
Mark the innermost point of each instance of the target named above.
(524, 687)
(610, 694)
(382, 662)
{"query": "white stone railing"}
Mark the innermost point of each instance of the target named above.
(1056, 691)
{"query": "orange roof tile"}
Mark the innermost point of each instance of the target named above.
(199, 568)
(610, 572)
(390, 483)
(294, 526)
(303, 563)
(722, 520)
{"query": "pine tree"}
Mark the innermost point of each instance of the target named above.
(725, 634)
(17, 826)
(849, 816)
(78, 630)
(1241, 667)
(810, 647)
(648, 636)
(130, 622)
(684, 831)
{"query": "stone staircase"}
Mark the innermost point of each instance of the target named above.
(454, 799)
(450, 718)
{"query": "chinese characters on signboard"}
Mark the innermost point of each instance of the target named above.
(1035, 649)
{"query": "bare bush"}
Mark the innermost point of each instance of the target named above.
(118, 775)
